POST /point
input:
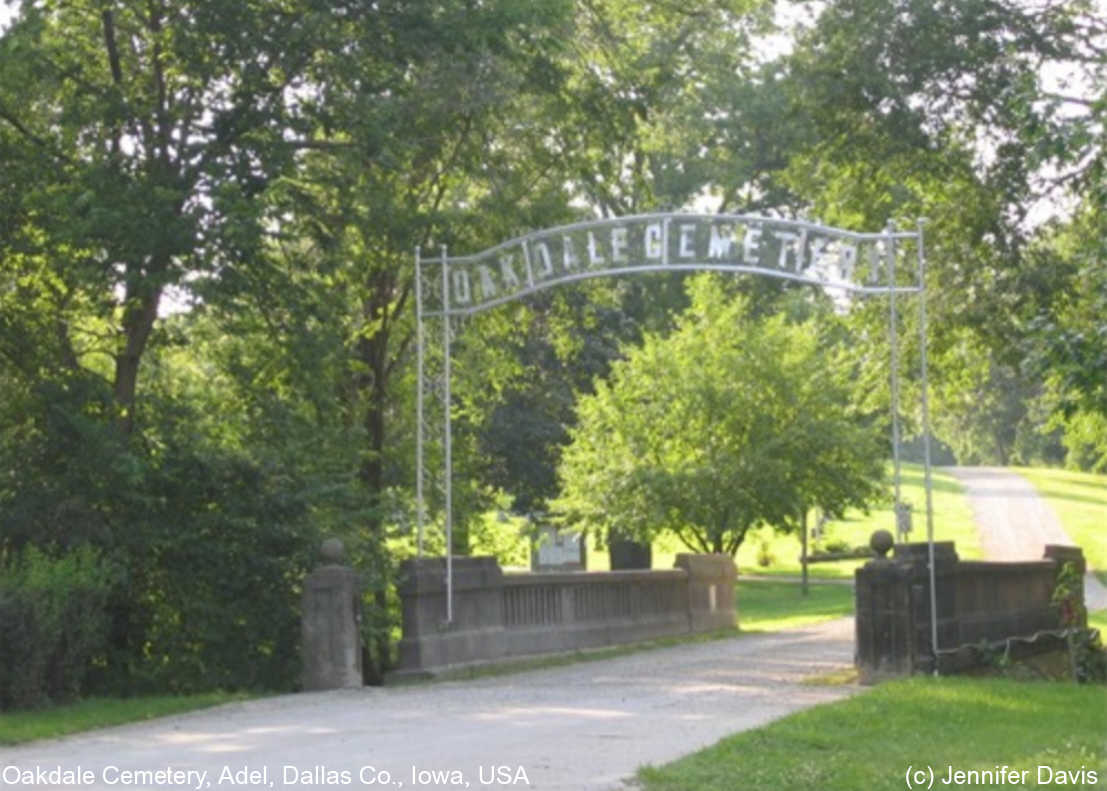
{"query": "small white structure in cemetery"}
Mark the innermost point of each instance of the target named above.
(557, 550)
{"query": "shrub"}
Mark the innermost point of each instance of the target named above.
(1086, 651)
(214, 599)
(837, 545)
(53, 623)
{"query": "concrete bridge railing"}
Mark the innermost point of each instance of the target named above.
(499, 616)
(977, 603)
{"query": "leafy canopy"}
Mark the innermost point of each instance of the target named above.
(727, 423)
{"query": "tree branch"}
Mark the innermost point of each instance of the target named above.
(42, 143)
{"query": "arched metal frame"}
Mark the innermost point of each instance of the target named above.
(805, 252)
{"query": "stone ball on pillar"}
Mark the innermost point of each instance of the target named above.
(333, 551)
(881, 541)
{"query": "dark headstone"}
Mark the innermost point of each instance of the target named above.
(627, 554)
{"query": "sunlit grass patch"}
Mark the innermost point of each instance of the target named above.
(772, 606)
(870, 740)
(1080, 500)
(25, 726)
(953, 521)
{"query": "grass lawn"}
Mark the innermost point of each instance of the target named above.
(1080, 500)
(953, 521)
(25, 726)
(771, 606)
(870, 740)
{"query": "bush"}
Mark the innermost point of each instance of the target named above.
(53, 623)
(214, 594)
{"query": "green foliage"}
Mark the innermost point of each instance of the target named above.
(210, 542)
(53, 623)
(275, 167)
(725, 424)
(1086, 650)
(1084, 435)
(1071, 334)
(948, 111)
(506, 538)
(218, 583)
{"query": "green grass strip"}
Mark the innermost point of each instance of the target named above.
(766, 606)
(1080, 500)
(953, 521)
(25, 726)
(870, 740)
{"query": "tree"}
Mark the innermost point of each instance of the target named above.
(154, 127)
(725, 424)
(984, 116)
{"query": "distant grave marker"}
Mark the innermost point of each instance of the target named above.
(558, 550)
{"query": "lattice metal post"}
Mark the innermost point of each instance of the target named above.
(420, 500)
(447, 438)
(893, 341)
(926, 444)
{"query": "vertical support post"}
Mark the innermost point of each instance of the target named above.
(893, 341)
(665, 242)
(803, 543)
(447, 438)
(420, 503)
(926, 443)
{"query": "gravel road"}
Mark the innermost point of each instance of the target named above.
(1015, 523)
(577, 727)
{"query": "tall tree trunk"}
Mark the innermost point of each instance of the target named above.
(373, 354)
(139, 314)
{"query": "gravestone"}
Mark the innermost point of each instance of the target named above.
(557, 550)
(626, 553)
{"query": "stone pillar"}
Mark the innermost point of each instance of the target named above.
(710, 590)
(884, 630)
(915, 558)
(429, 644)
(892, 608)
(331, 623)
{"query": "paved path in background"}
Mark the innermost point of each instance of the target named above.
(580, 727)
(1015, 523)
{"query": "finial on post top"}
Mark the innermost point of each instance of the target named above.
(333, 551)
(881, 541)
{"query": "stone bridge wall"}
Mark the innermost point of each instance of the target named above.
(976, 602)
(499, 616)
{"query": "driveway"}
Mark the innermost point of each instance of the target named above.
(1015, 523)
(583, 726)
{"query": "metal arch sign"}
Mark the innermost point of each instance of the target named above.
(789, 249)
(796, 250)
